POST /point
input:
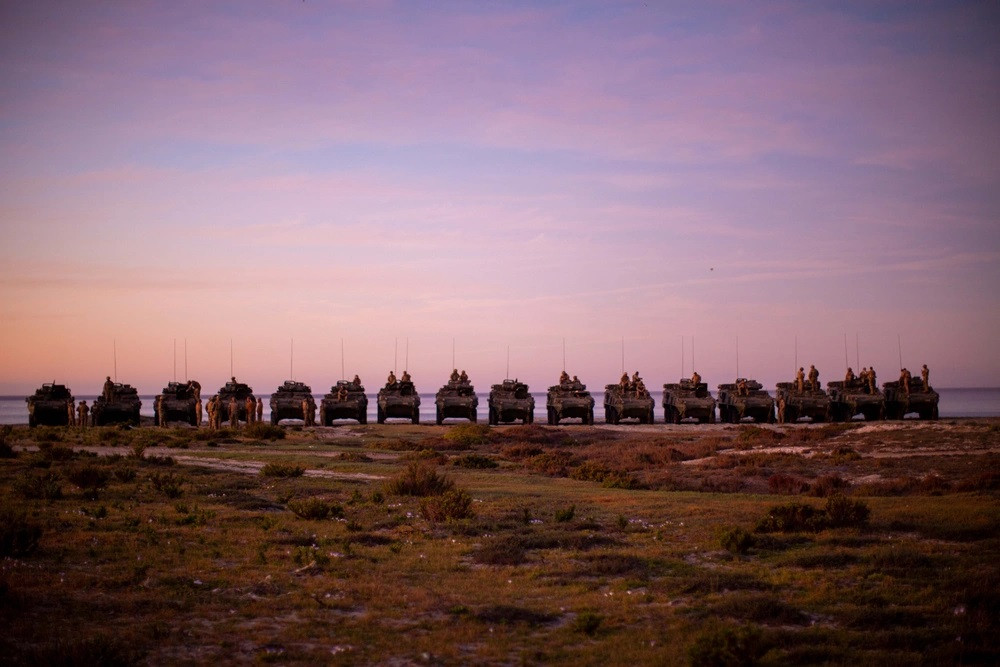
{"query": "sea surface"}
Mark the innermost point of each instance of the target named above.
(954, 403)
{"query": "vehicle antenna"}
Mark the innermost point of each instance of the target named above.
(623, 354)
(186, 379)
(847, 363)
(737, 356)
(899, 345)
(291, 358)
(857, 349)
(175, 360)
(406, 363)
(231, 373)
(796, 367)
(453, 352)
(564, 354)
(114, 345)
(692, 355)
(395, 356)
(343, 375)
(507, 376)
(682, 356)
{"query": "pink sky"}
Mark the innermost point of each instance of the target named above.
(501, 175)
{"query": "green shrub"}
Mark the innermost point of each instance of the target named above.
(314, 508)
(500, 550)
(843, 512)
(736, 540)
(451, 505)
(840, 512)
(264, 431)
(476, 461)
(275, 469)
(428, 455)
(124, 472)
(726, 646)
(567, 514)
(464, 436)
(18, 536)
(418, 480)
(89, 477)
(166, 483)
(588, 623)
(41, 486)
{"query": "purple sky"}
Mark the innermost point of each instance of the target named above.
(501, 175)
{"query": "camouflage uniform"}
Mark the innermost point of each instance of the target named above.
(234, 413)
(800, 380)
(260, 409)
(305, 412)
(871, 381)
(82, 410)
(70, 414)
(813, 378)
(695, 379)
(454, 375)
(849, 377)
(109, 388)
(904, 380)
(390, 381)
(564, 378)
(251, 408)
(741, 388)
(925, 375)
(464, 377)
(406, 377)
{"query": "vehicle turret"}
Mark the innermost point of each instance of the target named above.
(178, 401)
(399, 399)
(793, 404)
(119, 404)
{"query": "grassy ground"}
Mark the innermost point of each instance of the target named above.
(593, 545)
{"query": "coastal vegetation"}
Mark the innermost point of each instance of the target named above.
(850, 544)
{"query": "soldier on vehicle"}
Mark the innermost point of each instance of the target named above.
(640, 388)
(863, 377)
(564, 378)
(695, 379)
(623, 383)
(82, 412)
(464, 377)
(390, 381)
(260, 409)
(925, 375)
(800, 380)
(251, 407)
(341, 393)
(904, 380)
(406, 377)
(109, 388)
(234, 413)
(356, 381)
(849, 378)
(872, 387)
(635, 378)
(741, 387)
(576, 380)
(454, 375)
(813, 378)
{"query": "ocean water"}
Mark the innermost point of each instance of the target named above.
(954, 403)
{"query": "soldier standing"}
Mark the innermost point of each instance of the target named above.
(741, 387)
(849, 378)
(925, 375)
(197, 412)
(234, 413)
(564, 378)
(864, 376)
(356, 381)
(210, 408)
(82, 410)
(260, 409)
(70, 414)
(464, 377)
(109, 388)
(813, 377)
(160, 414)
(251, 408)
(695, 379)
(871, 380)
(800, 380)
(904, 380)
(305, 412)
(623, 383)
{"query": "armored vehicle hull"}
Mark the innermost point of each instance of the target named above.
(793, 405)
(400, 401)
(50, 405)
(620, 405)
(685, 400)
(120, 407)
(286, 402)
(241, 392)
(177, 403)
(456, 400)
(854, 399)
(353, 406)
(570, 401)
(898, 403)
(756, 404)
(510, 401)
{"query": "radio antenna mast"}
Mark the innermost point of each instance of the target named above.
(564, 354)
(231, 372)
(796, 369)
(291, 358)
(847, 363)
(343, 375)
(175, 360)
(623, 354)
(737, 356)
(899, 344)
(186, 378)
(114, 344)
(453, 352)
(682, 356)
(508, 363)
(692, 356)
(406, 363)
(857, 349)
(395, 356)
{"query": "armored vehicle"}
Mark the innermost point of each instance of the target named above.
(119, 404)
(456, 399)
(241, 392)
(567, 400)
(736, 404)
(510, 400)
(793, 404)
(624, 403)
(399, 400)
(286, 402)
(849, 399)
(50, 405)
(178, 402)
(687, 400)
(346, 400)
(923, 401)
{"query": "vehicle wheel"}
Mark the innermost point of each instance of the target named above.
(590, 418)
(194, 419)
(438, 417)
(472, 416)
(31, 421)
(676, 414)
(551, 417)
(934, 413)
(770, 416)
(651, 417)
(416, 416)
(711, 416)
(530, 418)
(492, 417)
(363, 419)
(275, 420)
(381, 415)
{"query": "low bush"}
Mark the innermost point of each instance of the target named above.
(840, 512)
(428, 455)
(89, 477)
(566, 514)
(500, 550)
(52, 452)
(552, 463)
(275, 469)
(588, 623)
(6, 451)
(314, 508)
(44, 486)
(264, 431)
(520, 451)
(827, 485)
(355, 457)
(727, 645)
(476, 461)
(464, 436)
(18, 536)
(451, 505)
(166, 483)
(509, 615)
(418, 479)
(786, 485)
(736, 540)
